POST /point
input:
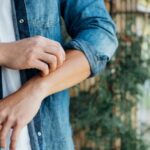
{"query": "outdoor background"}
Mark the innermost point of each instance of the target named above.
(112, 110)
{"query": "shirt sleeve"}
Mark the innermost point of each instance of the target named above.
(92, 31)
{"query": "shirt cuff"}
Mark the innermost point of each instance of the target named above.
(97, 61)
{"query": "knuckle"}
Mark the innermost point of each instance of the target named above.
(45, 70)
(30, 57)
(2, 113)
(54, 60)
(59, 52)
(38, 38)
(45, 67)
(19, 123)
(57, 44)
(33, 47)
(11, 118)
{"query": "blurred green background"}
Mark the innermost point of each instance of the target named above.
(112, 110)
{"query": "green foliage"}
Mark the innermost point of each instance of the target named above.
(105, 114)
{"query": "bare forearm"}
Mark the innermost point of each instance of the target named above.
(74, 70)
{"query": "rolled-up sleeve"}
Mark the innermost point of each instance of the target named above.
(92, 31)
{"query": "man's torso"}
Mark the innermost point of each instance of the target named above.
(11, 78)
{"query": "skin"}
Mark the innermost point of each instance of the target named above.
(40, 86)
(36, 52)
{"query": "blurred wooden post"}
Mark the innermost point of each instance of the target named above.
(121, 8)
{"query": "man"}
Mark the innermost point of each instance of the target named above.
(34, 106)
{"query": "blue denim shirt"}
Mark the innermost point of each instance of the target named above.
(92, 31)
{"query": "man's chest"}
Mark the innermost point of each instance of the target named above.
(44, 13)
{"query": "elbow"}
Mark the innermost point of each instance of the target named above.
(109, 40)
(105, 49)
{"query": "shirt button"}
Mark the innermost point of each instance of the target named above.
(39, 133)
(21, 21)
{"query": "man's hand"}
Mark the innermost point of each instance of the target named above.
(18, 109)
(36, 52)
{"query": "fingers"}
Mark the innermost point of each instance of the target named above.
(2, 118)
(58, 56)
(4, 132)
(58, 52)
(46, 54)
(54, 44)
(14, 137)
(51, 46)
(54, 48)
(3, 114)
(43, 67)
(51, 60)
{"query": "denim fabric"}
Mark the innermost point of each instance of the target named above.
(92, 31)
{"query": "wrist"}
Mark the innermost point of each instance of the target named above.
(4, 52)
(2, 55)
(37, 87)
(43, 86)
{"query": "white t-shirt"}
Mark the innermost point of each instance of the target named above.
(11, 78)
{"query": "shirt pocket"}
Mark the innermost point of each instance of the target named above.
(47, 23)
(42, 15)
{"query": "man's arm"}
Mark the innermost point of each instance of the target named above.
(93, 43)
(36, 52)
(74, 70)
(13, 108)
(92, 30)
(93, 33)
